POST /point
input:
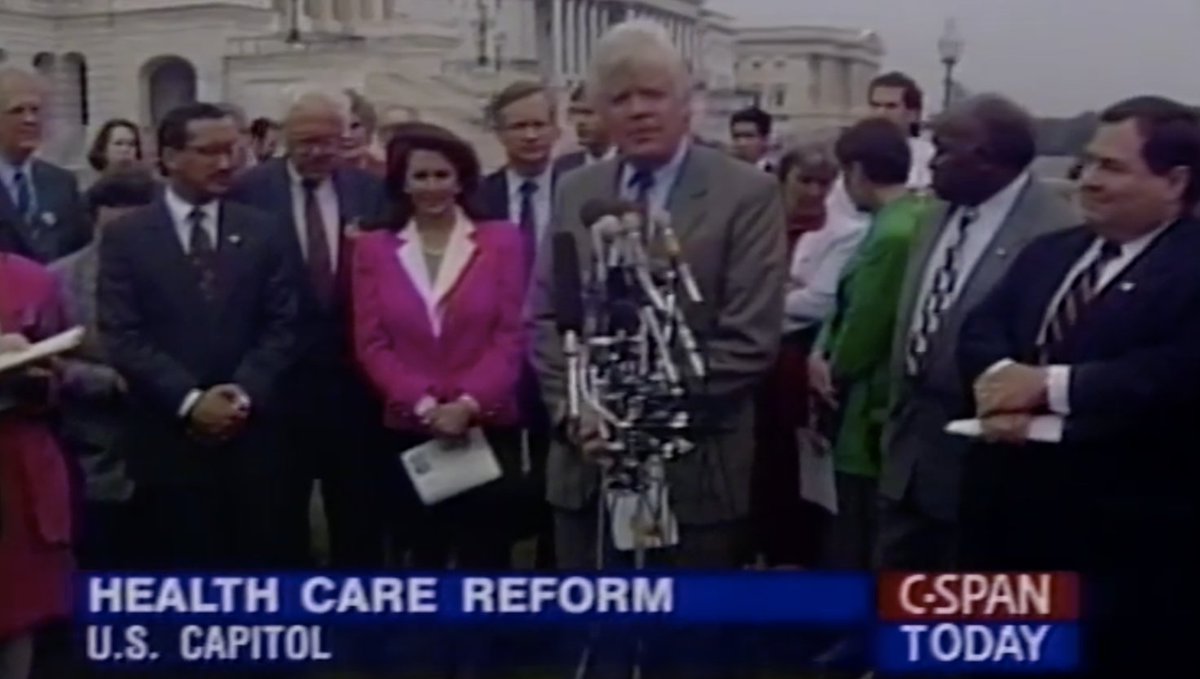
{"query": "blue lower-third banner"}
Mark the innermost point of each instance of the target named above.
(957, 647)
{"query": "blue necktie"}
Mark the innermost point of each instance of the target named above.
(24, 197)
(528, 223)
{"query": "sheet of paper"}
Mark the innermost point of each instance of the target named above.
(440, 470)
(38, 351)
(817, 481)
(1042, 428)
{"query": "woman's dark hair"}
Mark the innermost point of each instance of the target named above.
(126, 187)
(421, 136)
(97, 155)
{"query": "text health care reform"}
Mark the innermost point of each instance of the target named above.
(320, 595)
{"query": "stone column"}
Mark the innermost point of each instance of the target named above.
(556, 42)
(581, 36)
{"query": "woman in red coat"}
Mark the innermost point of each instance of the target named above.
(35, 523)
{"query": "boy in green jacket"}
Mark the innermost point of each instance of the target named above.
(850, 367)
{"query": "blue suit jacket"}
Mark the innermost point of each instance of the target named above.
(62, 224)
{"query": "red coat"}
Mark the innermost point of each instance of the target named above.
(35, 511)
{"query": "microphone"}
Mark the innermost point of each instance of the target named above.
(568, 311)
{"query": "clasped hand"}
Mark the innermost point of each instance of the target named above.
(450, 420)
(33, 386)
(1005, 400)
(221, 413)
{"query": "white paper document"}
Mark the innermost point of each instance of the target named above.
(442, 469)
(51, 346)
(644, 517)
(1042, 428)
(817, 479)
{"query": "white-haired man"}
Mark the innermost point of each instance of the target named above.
(322, 202)
(729, 217)
(42, 215)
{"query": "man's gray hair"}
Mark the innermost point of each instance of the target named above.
(305, 97)
(11, 75)
(633, 46)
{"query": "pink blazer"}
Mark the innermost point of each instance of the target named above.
(459, 335)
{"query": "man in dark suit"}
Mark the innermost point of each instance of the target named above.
(41, 213)
(993, 206)
(594, 144)
(1095, 332)
(322, 204)
(523, 115)
(750, 129)
(198, 312)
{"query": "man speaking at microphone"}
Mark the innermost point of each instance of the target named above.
(729, 219)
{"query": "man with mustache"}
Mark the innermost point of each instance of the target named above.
(198, 312)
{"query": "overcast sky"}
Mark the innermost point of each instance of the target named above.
(1058, 57)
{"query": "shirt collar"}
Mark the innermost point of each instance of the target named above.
(542, 180)
(8, 171)
(180, 209)
(1002, 202)
(664, 175)
(462, 223)
(297, 180)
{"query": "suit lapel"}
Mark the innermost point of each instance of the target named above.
(686, 202)
(460, 252)
(8, 215)
(231, 239)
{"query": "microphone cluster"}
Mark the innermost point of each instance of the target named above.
(631, 355)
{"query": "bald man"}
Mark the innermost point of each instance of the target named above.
(42, 215)
(323, 203)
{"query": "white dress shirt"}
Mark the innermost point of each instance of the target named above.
(327, 203)
(922, 151)
(990, 216)
(181, 210)
(541, 198)
(665, 177)
(816, 270)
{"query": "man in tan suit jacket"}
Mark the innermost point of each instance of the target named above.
(729, 218)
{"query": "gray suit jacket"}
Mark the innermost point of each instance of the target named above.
(92, 402)
(919, 458)
(729, 218)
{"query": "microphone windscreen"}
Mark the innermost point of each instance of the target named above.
(598, 208)
(568, 283)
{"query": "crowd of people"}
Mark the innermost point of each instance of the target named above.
(271, 304)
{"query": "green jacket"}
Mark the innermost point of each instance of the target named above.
(858, 339)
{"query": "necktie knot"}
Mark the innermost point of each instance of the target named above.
(196, 218)
(528, 188)
(310, 185)
(1109, 250)
(642, 180)
(968, 216)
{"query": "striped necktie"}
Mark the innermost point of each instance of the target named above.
(1081, 291)
(946, 281)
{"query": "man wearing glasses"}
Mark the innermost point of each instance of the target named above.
(198, 313)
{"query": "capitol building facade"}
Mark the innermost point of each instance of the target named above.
(436, 60)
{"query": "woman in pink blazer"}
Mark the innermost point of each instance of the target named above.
(437, 301)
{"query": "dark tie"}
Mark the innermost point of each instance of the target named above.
(528, 222)
(320, 260)
(642, 182)
(202, 254)
(1082, 289)
(24, 196)
(945, 282)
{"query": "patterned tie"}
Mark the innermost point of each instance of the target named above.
(24, 196)
(203, 255)
(320, 259)
(945, 283)
(1079, 294)
(528, 223)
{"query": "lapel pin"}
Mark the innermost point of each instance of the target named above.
(1001, 252)
(49, 219)
(1126, 286)
(235, 239)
